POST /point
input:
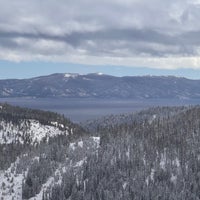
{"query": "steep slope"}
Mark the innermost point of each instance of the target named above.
(101, 86)
(35, 148)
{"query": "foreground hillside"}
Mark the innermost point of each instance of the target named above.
(152, 154)
(33, 140)
(101, 86)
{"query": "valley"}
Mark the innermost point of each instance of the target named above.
(100, 100)
(108, 147)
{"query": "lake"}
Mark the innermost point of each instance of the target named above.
(82, 109)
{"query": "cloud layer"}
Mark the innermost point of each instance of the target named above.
(156, 33)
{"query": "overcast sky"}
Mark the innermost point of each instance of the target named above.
(161, 34)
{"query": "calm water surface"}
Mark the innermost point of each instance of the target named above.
(80, 110)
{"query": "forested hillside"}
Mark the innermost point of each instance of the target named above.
(156, 157)
(31, 140)
(152, 154)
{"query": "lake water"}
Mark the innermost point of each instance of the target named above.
(79, 110)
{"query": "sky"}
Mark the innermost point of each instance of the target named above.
(119, 37)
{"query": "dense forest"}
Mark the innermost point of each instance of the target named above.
(150, 155)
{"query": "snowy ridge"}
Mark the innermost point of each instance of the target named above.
(28, 129)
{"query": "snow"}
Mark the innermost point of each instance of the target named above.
(128, 153)
(163, 160)
(152, 119)
(72, 146)
(11, 183)
(56, 124)
(96, 140)
(12, 189)
(80, 163)
(99, 73)
(152, 174)
(124, 185)
(40, 131)
(177, 162)
(37, 131)
(80, 144)
(173, 178)
(70, 75)
(55, 179)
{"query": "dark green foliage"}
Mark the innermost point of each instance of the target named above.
(153, 155)
(148, 159)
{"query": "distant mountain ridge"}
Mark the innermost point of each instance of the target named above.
(98, 85)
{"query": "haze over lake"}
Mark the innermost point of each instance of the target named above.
(82, 109)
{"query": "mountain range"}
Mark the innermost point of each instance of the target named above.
(98, 85)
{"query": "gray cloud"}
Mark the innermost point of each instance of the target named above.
(115, 29)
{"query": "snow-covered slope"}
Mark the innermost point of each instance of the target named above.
(11, 180)
(35, 150)
(28, 130)
(11, 183)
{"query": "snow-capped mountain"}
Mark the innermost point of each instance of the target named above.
(98, 85)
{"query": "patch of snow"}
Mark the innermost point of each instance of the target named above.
(144, 160)
(147, 181)
(80, 163)
(177, 162)
(124, 185)
(173, 178)
(56, 124)
(72, 146)
(68, 75)
(163, 161)
(152, 119)
(152, 174)
(128, 153)
(96, 140)
(80, 144)
(11, 183)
